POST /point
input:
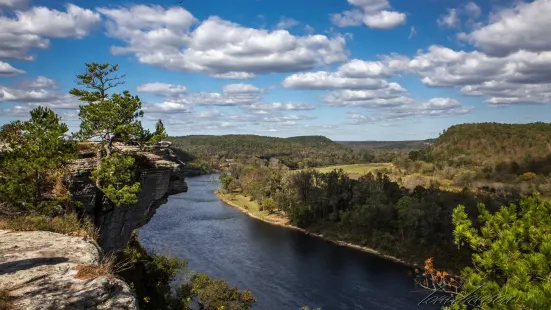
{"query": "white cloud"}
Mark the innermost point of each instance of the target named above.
(436, 107)
(162, 89)
(263, 108)
(26, 29)
(240, 89)
(7, 70)
(372, 13)
(510, 30)
(75, 23)
(234, 75)
(13, 3)
(286, 23)
(17, 111)
(384, 19)
(473, 10)
(449, 20)
(238, 53)
(412, 32)
(521, 77)
(330, 80)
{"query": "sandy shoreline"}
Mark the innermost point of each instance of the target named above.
(338, 242)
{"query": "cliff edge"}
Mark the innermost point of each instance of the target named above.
(42, 270)
(161, 174)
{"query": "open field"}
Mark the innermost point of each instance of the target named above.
(357, 170)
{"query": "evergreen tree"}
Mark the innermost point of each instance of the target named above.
(159, 134)
(37, 151)
(108, 118)
(512, 259)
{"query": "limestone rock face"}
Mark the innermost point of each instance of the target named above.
(38, 269)
(160, 173)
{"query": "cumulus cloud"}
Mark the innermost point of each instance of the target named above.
(330, 80)
(13, 3)
(436, 107)
(39, 91)
(449, 20)
(27, 29)
(522, 77)
(7, 70)
(523, 27)
(473, 10)
(286, 23)
(165, 38)
(162, 89)
(372, 13)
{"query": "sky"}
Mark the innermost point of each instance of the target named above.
(344, 69)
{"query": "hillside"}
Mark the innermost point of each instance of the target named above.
(488, 144)
(295, 152)
(388, 145)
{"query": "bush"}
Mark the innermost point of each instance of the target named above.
(269, 205)
(216, 294)
(528, 176)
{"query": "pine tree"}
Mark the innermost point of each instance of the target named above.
(512, 259)
(35, 158)
(108, 118)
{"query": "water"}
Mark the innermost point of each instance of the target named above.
(284, 268)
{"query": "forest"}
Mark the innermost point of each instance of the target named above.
(212, 153)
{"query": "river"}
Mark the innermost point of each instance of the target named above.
(284, 268)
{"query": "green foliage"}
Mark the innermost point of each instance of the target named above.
(512, 254)
(225, 182)
(152, 275)
(34, 160)
(294, 152)
(115, 174)
(269, 204)
(372, 211)
(110, 118)
(159, 134)
(216, 294)
(105, 116)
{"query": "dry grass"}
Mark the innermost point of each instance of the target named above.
(67, 224)
(357, 170)
(107, 268)
(6, 300)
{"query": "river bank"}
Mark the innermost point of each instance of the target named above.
(251, 208)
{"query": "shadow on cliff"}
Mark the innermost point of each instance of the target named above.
(29, 263)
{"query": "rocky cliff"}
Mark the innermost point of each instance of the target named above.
(160, 173)
(45, 270)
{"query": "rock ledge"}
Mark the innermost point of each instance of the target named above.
(38, 269)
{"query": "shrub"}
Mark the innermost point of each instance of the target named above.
(269, 205)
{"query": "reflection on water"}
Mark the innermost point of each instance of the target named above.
(284, 268)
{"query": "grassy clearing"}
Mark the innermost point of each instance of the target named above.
(357, 170)
(253, 209)
(67, 224)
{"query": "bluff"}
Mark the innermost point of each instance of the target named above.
(44, 270)
(161, 174)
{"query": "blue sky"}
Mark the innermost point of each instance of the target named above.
(349, 70)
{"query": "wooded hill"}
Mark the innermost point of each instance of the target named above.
(295, 152)
(388, 145)
(489, 144)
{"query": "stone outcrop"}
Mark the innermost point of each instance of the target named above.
(40, 270)
(160, 173)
